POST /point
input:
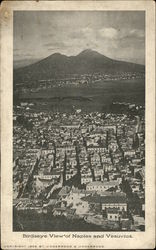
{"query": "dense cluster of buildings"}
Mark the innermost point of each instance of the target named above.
(80, 165)
(77, 80)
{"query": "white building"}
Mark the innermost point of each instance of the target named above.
(101, 186)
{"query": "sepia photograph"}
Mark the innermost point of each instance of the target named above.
(77, 124)
(79, 121)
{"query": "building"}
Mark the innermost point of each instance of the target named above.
(101, 186)
(114, 201)
(110, 201)
(113, 214)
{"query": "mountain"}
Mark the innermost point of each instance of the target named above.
(24, 62)
(87, 62)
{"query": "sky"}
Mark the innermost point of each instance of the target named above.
(117, 34)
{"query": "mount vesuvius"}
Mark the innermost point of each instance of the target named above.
(87, 62)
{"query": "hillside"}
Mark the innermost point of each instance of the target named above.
(87, 62)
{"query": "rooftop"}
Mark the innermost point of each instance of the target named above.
(105, 199)
(104, 183)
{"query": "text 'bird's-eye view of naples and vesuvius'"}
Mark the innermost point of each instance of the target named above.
(78, 121)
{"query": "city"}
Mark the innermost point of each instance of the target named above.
(76, 80)
(80, 167)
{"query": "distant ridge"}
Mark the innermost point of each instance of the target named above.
(86, 62)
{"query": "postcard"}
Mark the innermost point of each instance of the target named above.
(77, 125)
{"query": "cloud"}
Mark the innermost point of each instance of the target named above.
(55, 44)
(88, 32)
(137, 33)
(76, 34)
(112, 33)
(108, 32)
(54, 49)
(48, 44)
(48, 35)
(23, 54)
